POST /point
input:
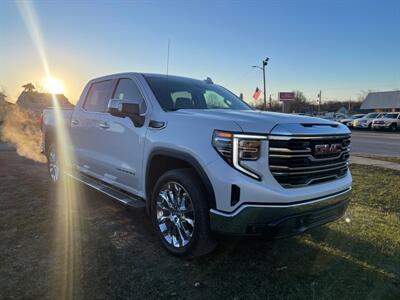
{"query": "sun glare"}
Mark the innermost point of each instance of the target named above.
(53, 86)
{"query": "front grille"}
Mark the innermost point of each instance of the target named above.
(296, 161)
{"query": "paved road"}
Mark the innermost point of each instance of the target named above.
(378, 143)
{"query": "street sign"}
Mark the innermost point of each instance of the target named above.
(286, 96)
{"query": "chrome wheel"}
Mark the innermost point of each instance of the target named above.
(175, 215)
(54, 169)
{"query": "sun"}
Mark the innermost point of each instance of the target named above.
(53, 86)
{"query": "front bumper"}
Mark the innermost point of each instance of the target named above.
(380, 126)
(278, 220)
(361, 125)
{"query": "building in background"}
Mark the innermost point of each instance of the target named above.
(382, 101)
(36, 102)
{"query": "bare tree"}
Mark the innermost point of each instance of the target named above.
(299, 102)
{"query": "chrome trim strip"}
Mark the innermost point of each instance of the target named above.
(319, 137)
(244, 206)
(307, 168)
(286, 150)
(309, 156)
(311, 180)
(309, 172)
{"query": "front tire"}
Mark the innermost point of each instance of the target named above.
(393, 127)
(180, 214)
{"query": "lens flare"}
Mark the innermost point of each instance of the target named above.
(53, 86)
(67, 235)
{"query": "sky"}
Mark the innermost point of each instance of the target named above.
(340, 47)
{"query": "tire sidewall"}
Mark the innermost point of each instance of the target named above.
(53, 147)
(185, 178)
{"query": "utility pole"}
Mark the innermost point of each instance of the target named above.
(319, 101)
(350, 105)
(270, 102)
(264, 64)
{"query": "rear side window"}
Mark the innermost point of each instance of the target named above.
(127, 90)
(98, 96)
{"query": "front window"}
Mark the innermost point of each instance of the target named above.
(392, 116)
(371, 115)
(175, 93)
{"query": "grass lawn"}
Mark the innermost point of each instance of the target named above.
(99, 250)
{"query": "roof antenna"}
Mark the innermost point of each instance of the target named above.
(169, 41)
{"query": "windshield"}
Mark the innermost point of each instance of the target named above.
(371, 115)
(175, 93)
(392, 116)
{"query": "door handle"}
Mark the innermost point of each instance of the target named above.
(104, 125)
(74, 122)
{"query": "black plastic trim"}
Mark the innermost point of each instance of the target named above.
(188, 159)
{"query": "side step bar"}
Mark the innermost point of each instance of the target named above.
(121, 197)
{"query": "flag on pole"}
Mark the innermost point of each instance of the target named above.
(257, 93)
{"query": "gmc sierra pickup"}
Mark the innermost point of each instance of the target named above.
(200, 160)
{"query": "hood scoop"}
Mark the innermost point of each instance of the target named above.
(310, 129)
(318, 124)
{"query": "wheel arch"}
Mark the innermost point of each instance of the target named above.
(161, 160)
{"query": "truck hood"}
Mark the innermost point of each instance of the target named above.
(252, 121)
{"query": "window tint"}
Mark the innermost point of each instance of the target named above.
(183, 93)
(98, 96)
(214, 100)
(392, 116)
(372, 115)
(127, 90)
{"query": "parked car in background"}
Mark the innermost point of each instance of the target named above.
(366, 121)
(349, 121)
(338, 117)
(389, 121)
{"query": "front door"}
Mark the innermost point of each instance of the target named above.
(123, 142)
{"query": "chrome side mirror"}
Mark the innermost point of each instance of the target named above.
(124, 108)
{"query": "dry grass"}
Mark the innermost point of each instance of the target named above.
(122, 258)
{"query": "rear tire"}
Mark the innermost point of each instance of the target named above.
(180, 214)
(53, 164)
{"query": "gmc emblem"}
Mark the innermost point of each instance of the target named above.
(328, 148)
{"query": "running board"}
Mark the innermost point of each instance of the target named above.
(121, 197)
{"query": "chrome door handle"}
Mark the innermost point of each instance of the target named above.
(104, 125)
(74, 122)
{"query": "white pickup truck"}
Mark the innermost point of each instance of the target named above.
(200, 160)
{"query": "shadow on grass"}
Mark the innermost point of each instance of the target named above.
(325, 263)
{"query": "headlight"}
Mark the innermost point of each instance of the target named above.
(235, 148)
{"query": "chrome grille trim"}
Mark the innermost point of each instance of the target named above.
(309, 172)
(343, 164)
(319, 137)
(286, 150)
(309, 156)
(293, 160)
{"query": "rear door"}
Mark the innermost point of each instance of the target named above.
(87, 131)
